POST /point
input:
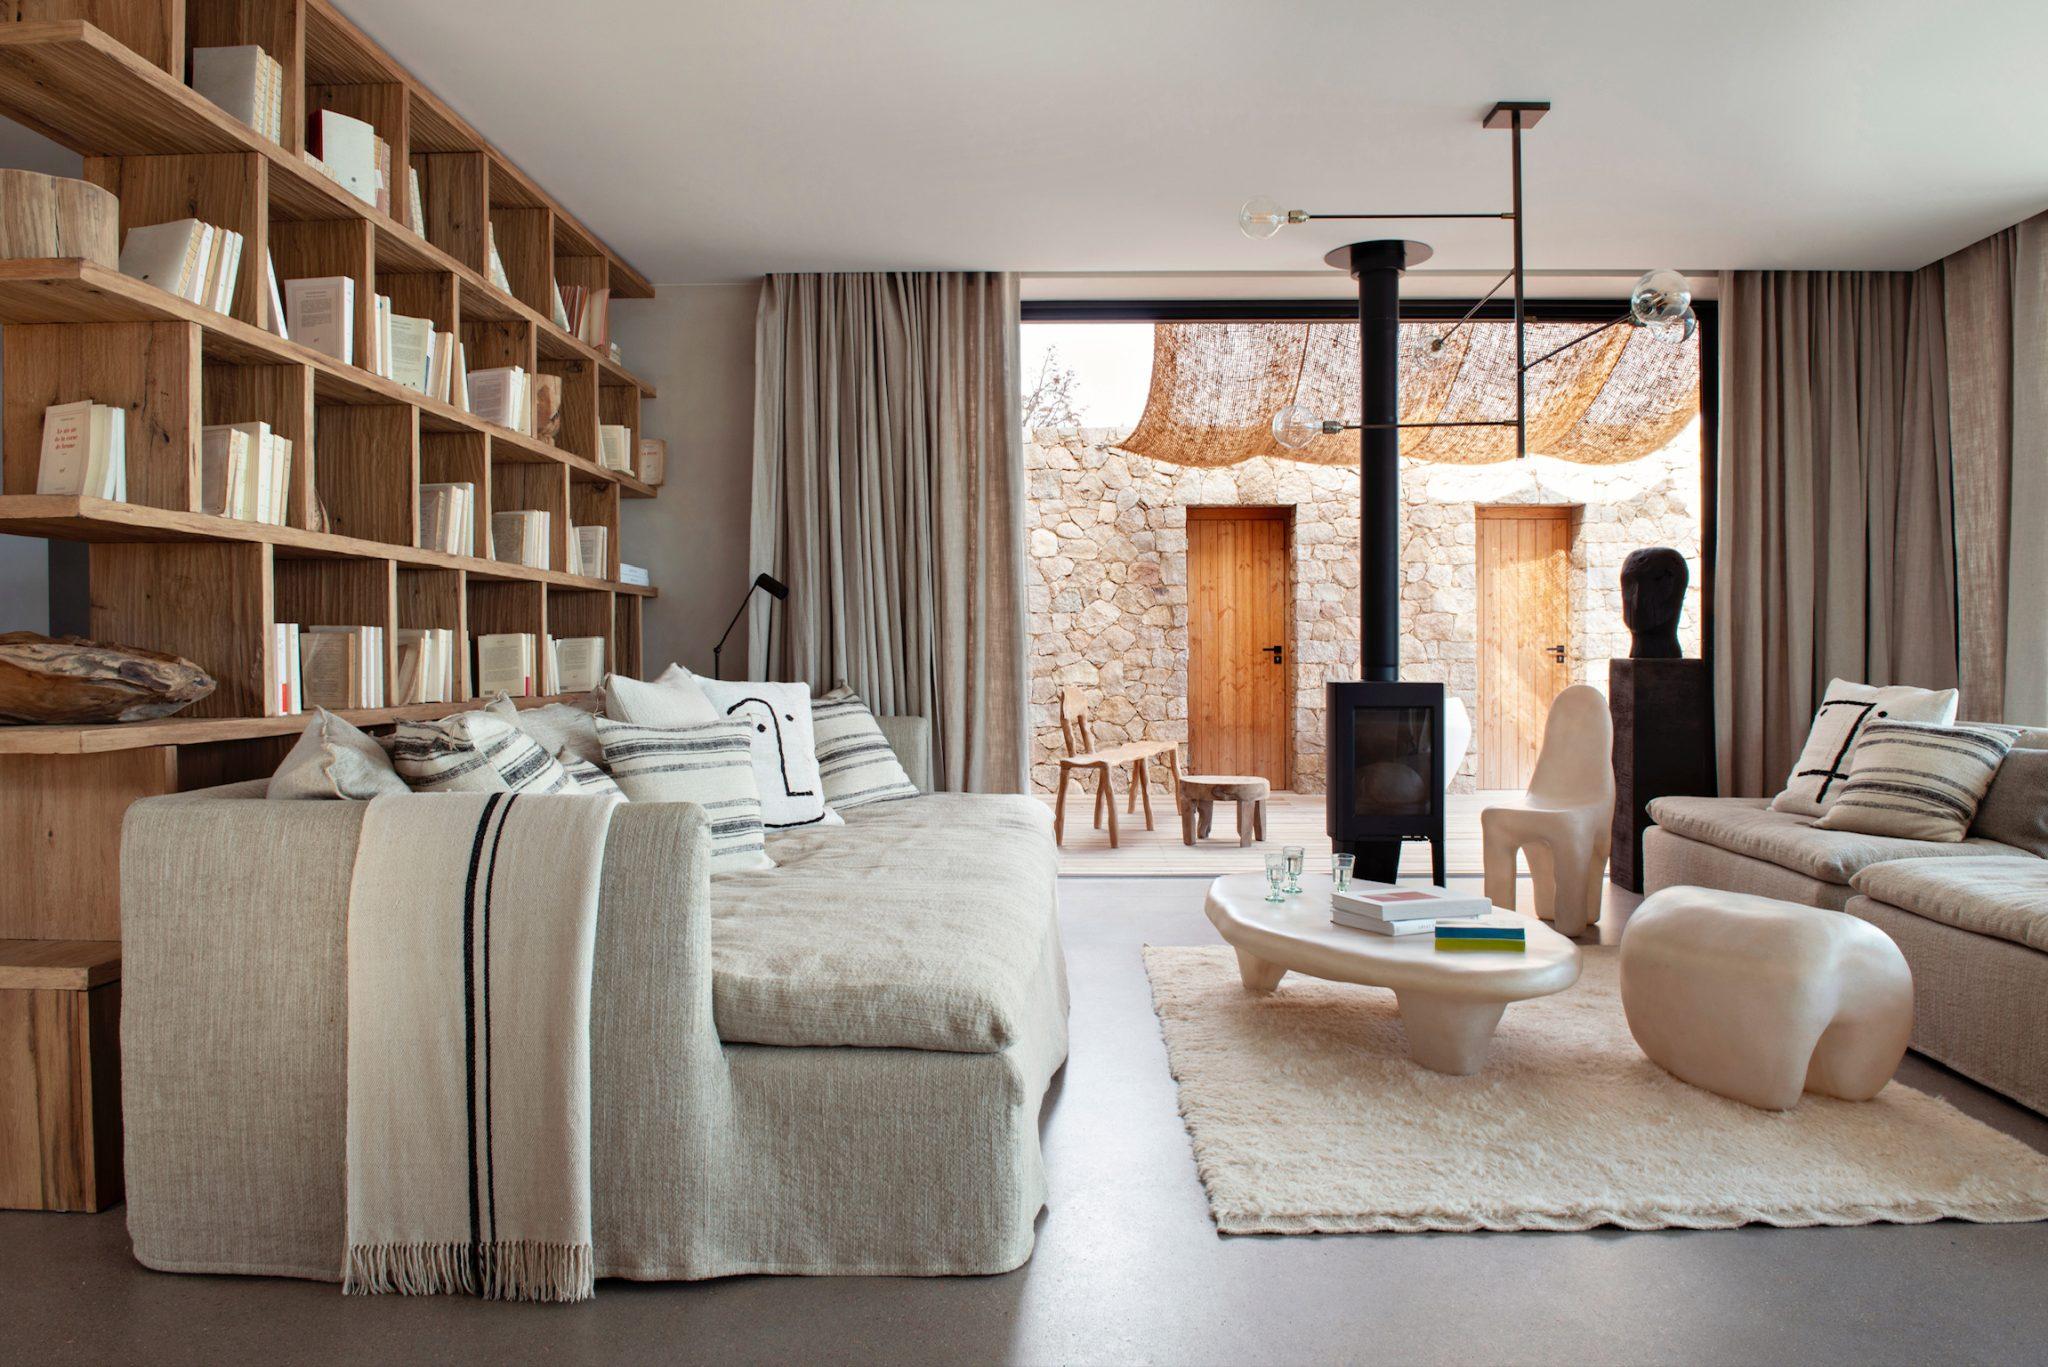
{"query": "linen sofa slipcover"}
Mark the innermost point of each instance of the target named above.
(710, 1156)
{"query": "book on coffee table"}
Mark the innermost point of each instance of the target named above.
(1392, 902)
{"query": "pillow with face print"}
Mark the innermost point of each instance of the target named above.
(778, 721)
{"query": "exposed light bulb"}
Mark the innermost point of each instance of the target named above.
(1296, 425)
(1261, 217)
(1661, 298)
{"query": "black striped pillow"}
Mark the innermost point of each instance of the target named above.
(1918, 781)
(711, 765)
(855, 760)
(473, 752)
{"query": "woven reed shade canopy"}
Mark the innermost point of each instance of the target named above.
(1215, 387)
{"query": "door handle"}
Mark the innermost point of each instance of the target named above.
(1555, 652)
(1275, 651)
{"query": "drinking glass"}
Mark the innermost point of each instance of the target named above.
(1296, 856)
(1276, 873)
(1340, 870)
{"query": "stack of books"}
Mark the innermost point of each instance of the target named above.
(635, 575)
(503, 395)
(426, 665)
(521, 538)
(578, 664)
(1483, 938)
(448, 518)
(322, 314)
(245, 81)
(289, 696)
(1386, 909)
(85, 451)
(245, 471)
(507, 662)
(193, 260)
(653, 467)
(590, 551)
(348, 152)
(615, 446)
(342, 667)
(585, 314)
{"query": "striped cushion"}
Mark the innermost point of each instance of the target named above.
(711, 765)
(473, 752)
(854, 758)
(1918, 781)
(589, 777)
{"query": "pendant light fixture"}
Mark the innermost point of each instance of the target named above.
(1661, 300)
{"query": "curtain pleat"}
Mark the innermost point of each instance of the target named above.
(889, 495)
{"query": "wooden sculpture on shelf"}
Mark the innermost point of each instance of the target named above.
(74, 681)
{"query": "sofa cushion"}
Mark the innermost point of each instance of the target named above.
(1845, 708)
(1917, 781)
(2001, 897)
(2015, 811)
(929, 923)
(1749, 826)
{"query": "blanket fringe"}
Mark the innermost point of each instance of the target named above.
(508, 1270)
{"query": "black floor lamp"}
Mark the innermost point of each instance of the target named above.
(775, 589)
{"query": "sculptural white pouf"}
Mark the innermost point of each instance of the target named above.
(1760, 1000)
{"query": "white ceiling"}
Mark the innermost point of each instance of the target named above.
(717, 141)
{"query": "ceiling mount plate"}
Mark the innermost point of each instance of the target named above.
(1502, 114)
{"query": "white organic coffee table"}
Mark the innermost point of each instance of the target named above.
(1449, 1003)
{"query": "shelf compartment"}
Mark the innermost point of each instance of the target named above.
(578, 432)
(519, 484)
(497, 606)
(626, 643)
(150, 369)
(452, 196)
(281, 395)
(582, 612)
(209, 602)
(228, 190)
(461, 458)
(526, 246)
(366, 468)
(306, 249)
(437, 598)
(597, 505)
(274, 26)
(339, 593)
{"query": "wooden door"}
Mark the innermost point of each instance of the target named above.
(1238, 665)
(1524, 635)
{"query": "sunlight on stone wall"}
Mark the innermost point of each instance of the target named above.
(1108, 577)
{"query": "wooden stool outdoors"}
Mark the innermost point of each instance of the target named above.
(1082, 756)
(1199, 794)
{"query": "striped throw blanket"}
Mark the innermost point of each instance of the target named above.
(472, 922)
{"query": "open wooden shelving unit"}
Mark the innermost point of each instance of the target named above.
(106, 78)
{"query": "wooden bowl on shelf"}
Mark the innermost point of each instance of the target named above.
(54, 216)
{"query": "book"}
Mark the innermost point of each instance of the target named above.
(84, 451)
(342, 667)
(321, 311)
(276, 320)
(224, 261)
(520, 537)
(653, 466)
(411, 359)
(561, 314)
(633, 574)
(501, 394)
(1353, 921)
(496, 262)
(415, 208)
(1389, 902)
(237, 79)
(615, 446)
(505, 664)
(288, 696)
(172, 256)
(226, 471)
(1490, 934)
(590, 551)
(448, 518)
(346, 149)
(578, 664)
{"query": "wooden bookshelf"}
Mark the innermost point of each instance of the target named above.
(106, 79)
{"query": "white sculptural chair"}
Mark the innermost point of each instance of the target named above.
(1564, 825)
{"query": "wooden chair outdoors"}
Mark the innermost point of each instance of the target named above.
(1082, 756)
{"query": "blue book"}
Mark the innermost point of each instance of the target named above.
(1481, 933)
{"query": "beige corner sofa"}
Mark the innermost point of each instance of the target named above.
(1971, 918)
(835, 1066)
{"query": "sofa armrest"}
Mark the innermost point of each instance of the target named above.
(911, 739)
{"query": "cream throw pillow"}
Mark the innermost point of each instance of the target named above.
(1845, 709)
(334, 760)
(855, 760)
(1918, 782)
(671, 700)
(711, 765)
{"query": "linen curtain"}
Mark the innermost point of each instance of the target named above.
(1836, 551)
(889, 495)
(1997, 335)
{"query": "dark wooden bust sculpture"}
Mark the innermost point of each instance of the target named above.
(1652, 596)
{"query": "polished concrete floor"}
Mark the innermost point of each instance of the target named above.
(1128, 1266)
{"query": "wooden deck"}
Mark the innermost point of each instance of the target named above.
(1291, 819)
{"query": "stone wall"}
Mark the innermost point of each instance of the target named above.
(1108, 580)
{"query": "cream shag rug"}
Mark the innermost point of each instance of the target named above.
(1307, 1115)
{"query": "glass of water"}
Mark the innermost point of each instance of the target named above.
(1296, 856)
(1340, 870)
(1276, 873)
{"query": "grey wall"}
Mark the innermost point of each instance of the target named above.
(695, 344)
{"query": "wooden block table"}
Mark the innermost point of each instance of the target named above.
(60, 1074)
(1199, 794)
